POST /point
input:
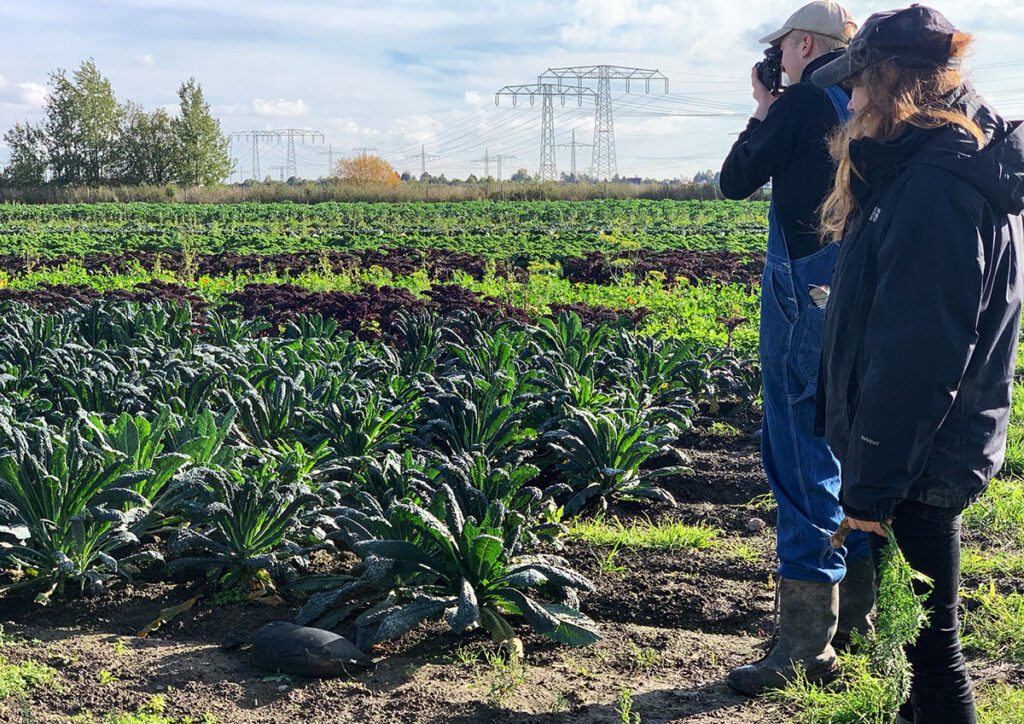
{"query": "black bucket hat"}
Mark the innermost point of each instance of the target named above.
(915, 37)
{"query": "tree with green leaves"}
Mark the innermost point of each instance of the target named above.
(204, 156)
(27, 166)
(149, 151)
(86, 137)
(81, 126)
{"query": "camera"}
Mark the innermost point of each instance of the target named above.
(769, 70)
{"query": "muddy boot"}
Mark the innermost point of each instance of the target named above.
(808, 612)
(856, 599)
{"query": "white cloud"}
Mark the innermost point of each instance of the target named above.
(416, 128)
(280, 107)
(31, 94)
(231, 109)
(459, 53)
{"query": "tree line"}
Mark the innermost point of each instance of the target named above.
(88, 138)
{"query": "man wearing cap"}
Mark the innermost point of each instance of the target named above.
(786, 142)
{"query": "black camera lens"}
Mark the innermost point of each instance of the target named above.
(769, 70)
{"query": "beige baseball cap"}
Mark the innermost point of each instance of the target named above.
(824, 18)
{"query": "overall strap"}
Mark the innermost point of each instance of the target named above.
(840, 100)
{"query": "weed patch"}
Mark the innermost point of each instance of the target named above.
(1014, 464)
(507, 674)
(665, 535)
(991, 564)
(1000, 703)
(996, 627)
(1000, 511)
(22, 678)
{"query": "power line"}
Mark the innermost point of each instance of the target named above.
(276, 135)
(604, 164)
(423, 156)
(498, 158)
(547, 91)
(574, 145)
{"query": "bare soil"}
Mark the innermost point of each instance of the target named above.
(673, 625)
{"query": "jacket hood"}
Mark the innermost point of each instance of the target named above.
(996, 169)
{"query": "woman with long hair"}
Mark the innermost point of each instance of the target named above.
(923, 314)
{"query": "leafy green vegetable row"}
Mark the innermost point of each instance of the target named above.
(443, 457)
(531, 230)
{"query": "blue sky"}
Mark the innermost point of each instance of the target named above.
(395, 74)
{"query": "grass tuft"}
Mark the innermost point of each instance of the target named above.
(23, 677)
(991, 563)
(999, 704)
(1014, 464)
(1000, 511)
(664, 535)
(996, 627)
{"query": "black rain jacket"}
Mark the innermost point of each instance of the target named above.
(924, 316)
(789, 148)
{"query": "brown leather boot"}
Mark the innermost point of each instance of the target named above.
(808, 614)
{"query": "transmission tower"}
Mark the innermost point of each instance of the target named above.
(604, 162)
(290, 133)
(574, 145)
(423, 157)
(330, 158)
(281, 169)
(497, 158)
(256, 137)
(547, 92)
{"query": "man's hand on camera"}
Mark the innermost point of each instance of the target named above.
(762, 95)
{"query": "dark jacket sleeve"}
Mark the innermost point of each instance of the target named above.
(764, 147)
(920, 334)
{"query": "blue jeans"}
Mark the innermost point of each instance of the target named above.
(802, 471)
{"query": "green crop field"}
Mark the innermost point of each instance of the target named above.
(538, 231)
(508, 449)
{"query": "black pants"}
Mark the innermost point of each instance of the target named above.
(930, 540)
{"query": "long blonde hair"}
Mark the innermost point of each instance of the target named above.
(897, 98)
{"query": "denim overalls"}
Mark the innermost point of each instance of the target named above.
(802, 472)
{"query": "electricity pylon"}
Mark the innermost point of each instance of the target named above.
(330, 158)
(574, 145)
(423, 156)
(604, 161)
(547, 92)
(488, 157)
(256, 137)
(290, 133)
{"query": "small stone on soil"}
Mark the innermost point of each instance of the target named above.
(755, 524)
